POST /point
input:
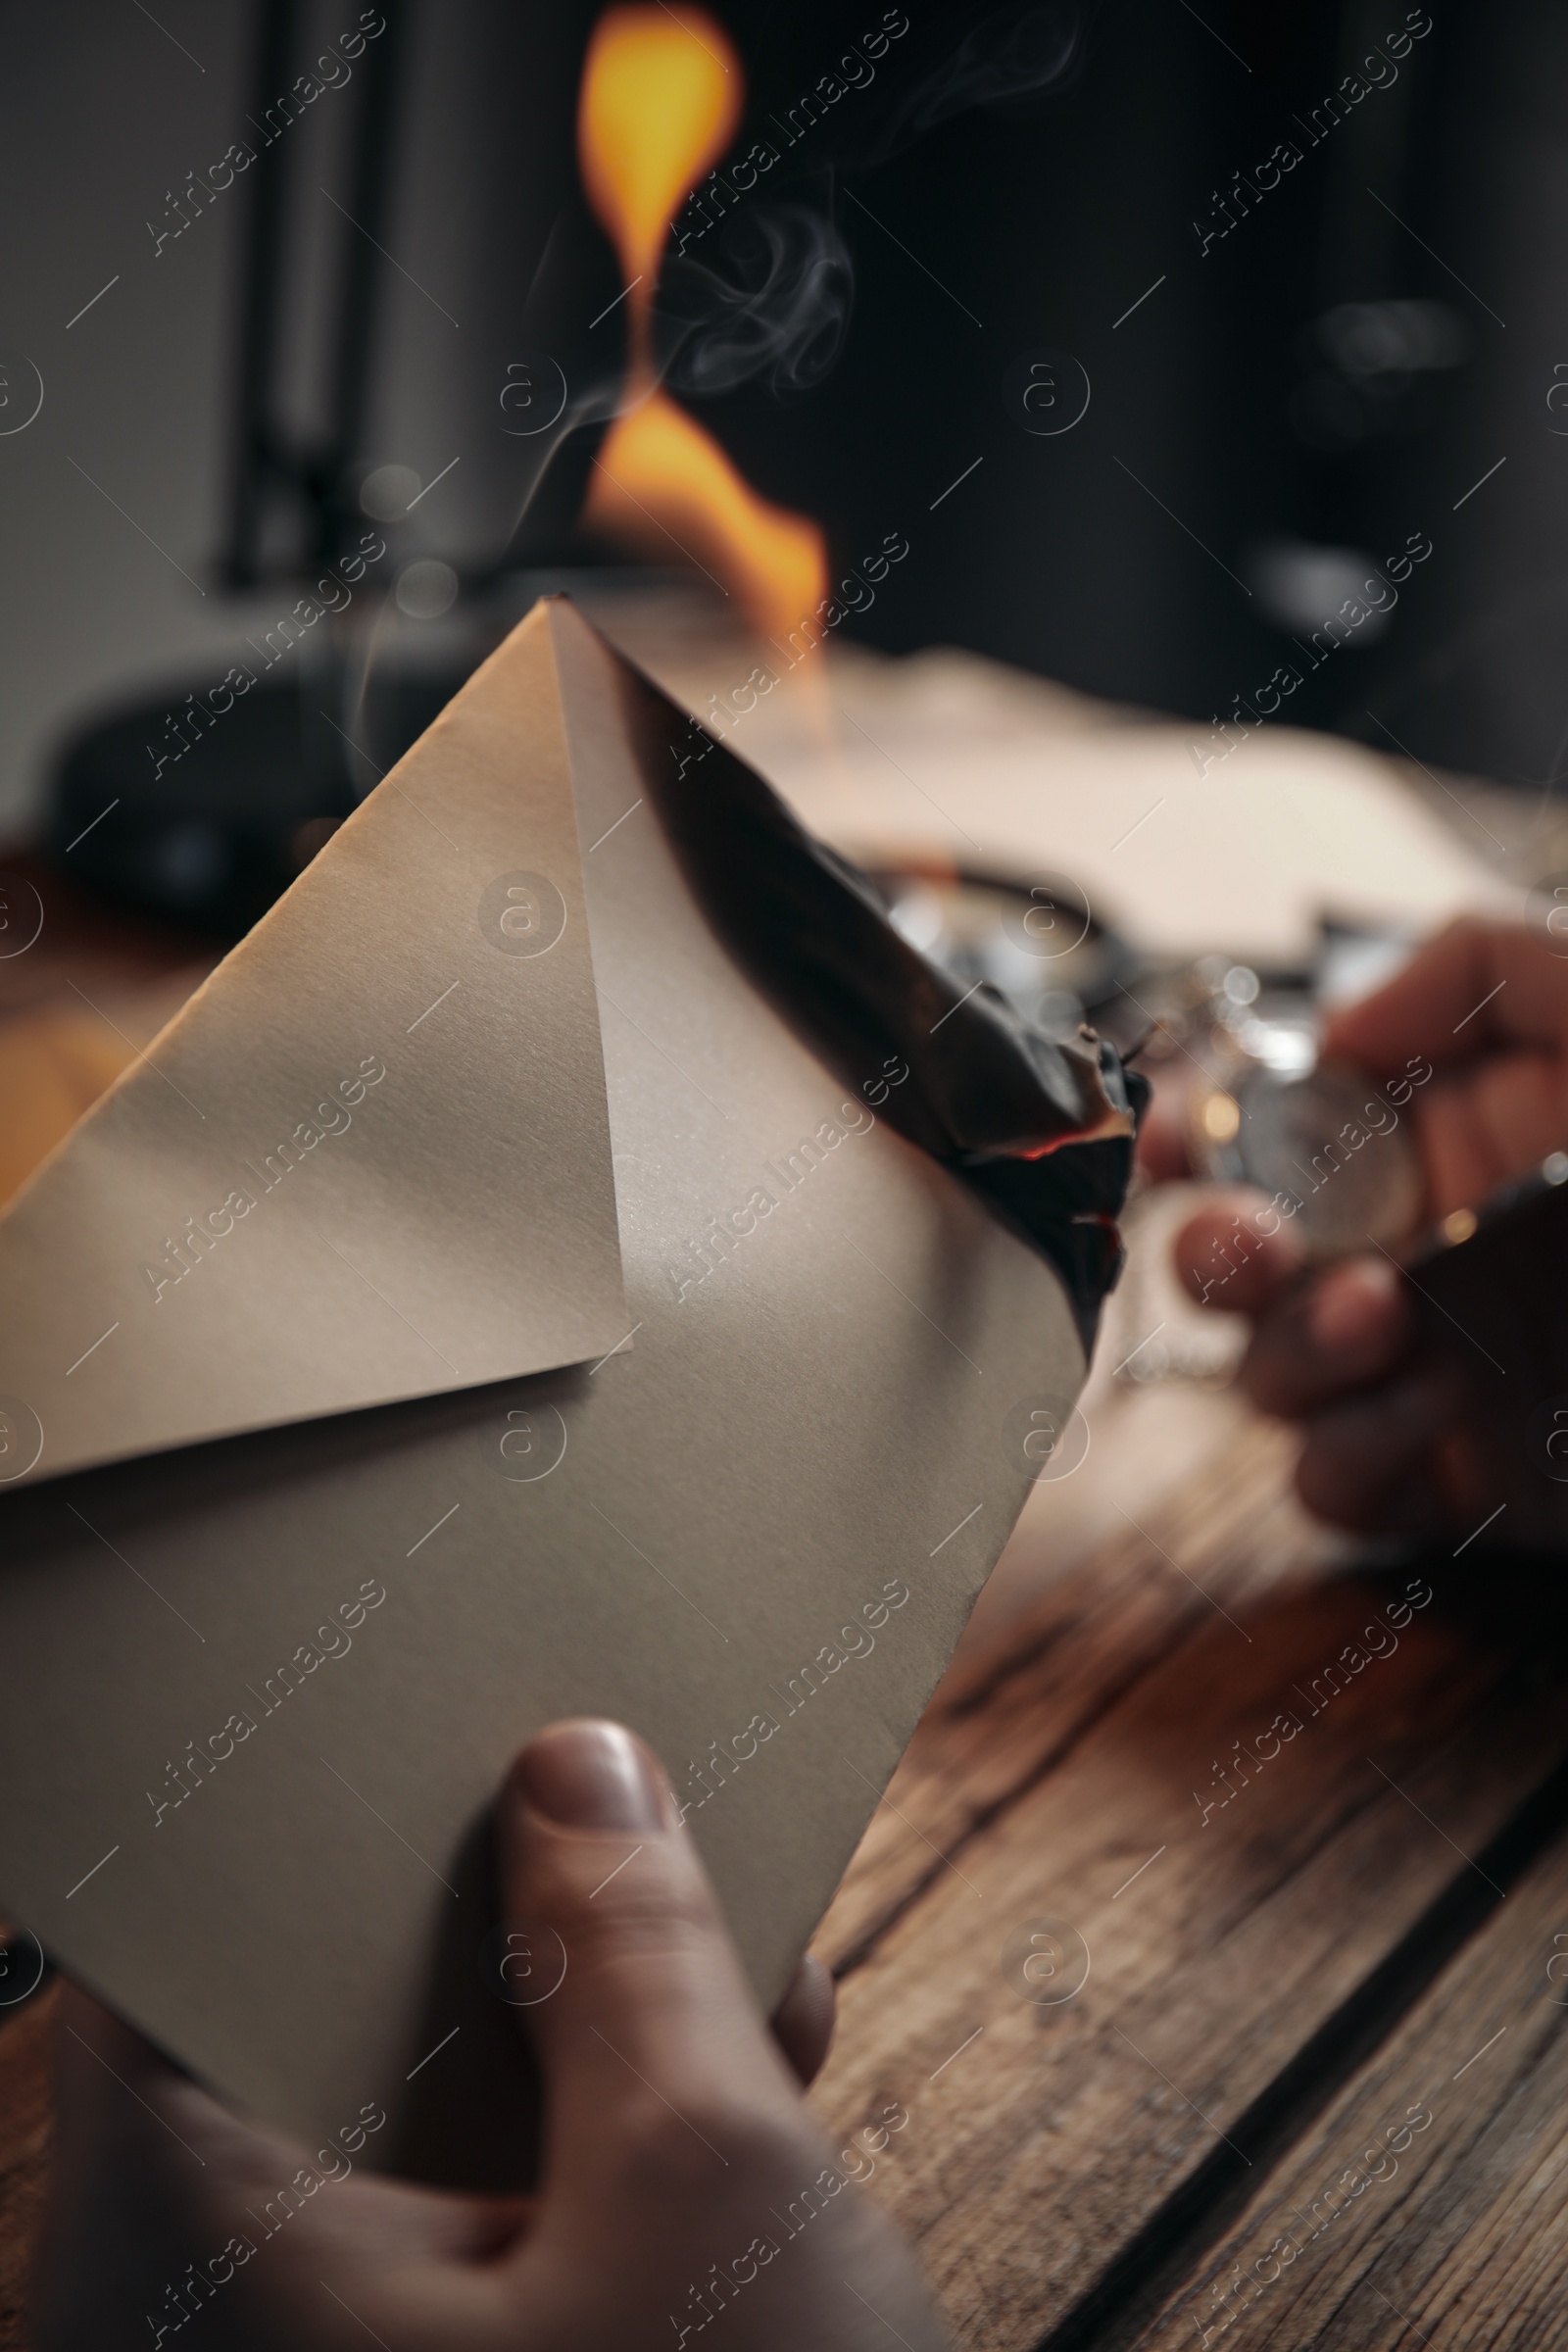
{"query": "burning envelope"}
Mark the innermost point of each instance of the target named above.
(503, 1292)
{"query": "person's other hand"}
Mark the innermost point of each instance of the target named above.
(1486, 1006)
(682, 2179)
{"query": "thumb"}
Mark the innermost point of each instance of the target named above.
(652, 2006)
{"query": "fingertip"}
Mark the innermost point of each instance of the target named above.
(640, 1988)
(1343, 1033)
(1162, 1138)
(577, 1786)
(1224, 1259)
(1192, 1249)
(589, 1774)
(1353, 1033)
(1357, 1312)
(1407, 1012)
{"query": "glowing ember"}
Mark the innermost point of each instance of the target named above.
(661, 99)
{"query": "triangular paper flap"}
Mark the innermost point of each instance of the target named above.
(371, 1158)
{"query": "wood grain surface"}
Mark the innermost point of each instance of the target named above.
(1428, 2202)
(1061, 2148)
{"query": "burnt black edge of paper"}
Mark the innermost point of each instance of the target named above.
(982, 1082)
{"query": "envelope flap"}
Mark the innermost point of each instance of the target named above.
(370, 1159)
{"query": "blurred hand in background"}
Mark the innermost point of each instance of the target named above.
(1337, 1349)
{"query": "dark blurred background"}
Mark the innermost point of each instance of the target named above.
(1371, 353)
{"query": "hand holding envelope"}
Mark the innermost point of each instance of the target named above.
(494, 1296)
(679, 2165)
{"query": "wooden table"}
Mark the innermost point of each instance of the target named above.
(1313, 2087)
(1315, 2083)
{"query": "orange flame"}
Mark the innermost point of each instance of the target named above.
(661, 99)
(661, 479)
(659, 107)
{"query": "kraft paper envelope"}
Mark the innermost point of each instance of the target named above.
(371, 1158)
(510, 1314)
